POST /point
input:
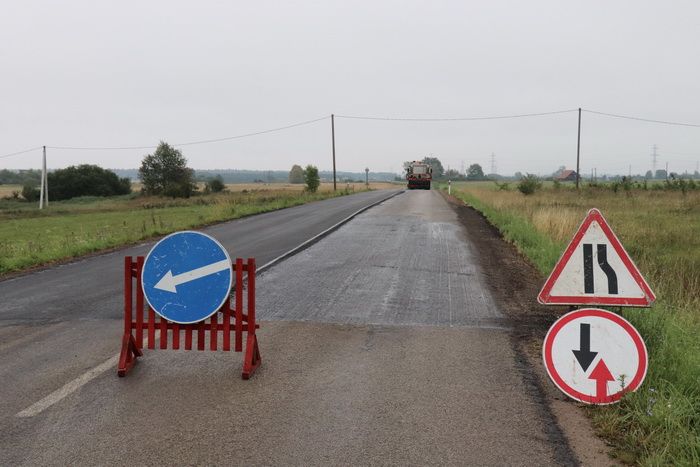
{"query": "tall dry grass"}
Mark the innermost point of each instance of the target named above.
(660, 423)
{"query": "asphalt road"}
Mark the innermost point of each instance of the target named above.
(380, 345)
(91, 288)
(405, 261)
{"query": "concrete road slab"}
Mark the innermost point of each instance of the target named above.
(405, 261)
(327, 394)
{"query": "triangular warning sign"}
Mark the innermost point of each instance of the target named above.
(595, 270)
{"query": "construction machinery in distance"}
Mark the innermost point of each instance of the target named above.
(419, 175)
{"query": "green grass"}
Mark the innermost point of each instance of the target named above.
(30, 237)
(660, 423)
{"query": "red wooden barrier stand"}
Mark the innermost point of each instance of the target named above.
(233, 321)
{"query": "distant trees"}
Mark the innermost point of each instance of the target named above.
(311, 178)
(518, 175)
(660, 174)
(165, 172)
(85, 180)
(452, 174)
(434, 162)
(214, 185)
(649, 175)
(20, 177)
(475, 172)
(296, 175)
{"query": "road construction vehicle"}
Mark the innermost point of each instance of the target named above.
(418, 175)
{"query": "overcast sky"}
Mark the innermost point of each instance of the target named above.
(128, 73)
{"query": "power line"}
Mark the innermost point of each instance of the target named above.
(663, 122)
(191, 143)
(455, 119)
(20, 152)
(308, 122)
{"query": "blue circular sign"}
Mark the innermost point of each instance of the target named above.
(187, 277)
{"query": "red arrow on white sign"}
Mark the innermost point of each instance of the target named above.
(595, 356)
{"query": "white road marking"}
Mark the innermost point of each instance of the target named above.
(72, 386)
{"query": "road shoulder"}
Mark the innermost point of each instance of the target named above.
(514, 284)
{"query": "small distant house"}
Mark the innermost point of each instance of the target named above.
(566, 176)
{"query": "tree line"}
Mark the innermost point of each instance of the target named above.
(162, 173)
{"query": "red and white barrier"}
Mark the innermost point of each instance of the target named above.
(227, 321)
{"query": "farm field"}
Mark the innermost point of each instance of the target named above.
(30, 237)
(660, 423)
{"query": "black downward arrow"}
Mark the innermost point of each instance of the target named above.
(585, 356)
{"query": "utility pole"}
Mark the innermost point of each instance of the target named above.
(44, 195)
(493, 163)
(578, 149)
(654, 156)
(666, 171)
(333, 139)
(367, 176)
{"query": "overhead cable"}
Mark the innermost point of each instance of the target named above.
(455, 119)
(20, 152)
(663, 122)
(190, 143)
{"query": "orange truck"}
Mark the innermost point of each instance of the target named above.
(419, 175)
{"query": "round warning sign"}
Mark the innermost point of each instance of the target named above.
(595, 356)
(187, 277)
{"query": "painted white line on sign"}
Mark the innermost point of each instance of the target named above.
(72, 386)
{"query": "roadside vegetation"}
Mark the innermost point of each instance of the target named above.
(86, 212)
(658, 225)
(66, 229)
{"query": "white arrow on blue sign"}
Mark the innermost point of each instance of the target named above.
(187, 277)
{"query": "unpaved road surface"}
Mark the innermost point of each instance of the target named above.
(384, 343)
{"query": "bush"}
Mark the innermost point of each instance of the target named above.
(30, 193)
(311, 178)
(214, 185)
(165, 172)
(86, 180)
(529, 184)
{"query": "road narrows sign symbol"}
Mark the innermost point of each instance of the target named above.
(595, 356)
(187, 277)
(595, 269)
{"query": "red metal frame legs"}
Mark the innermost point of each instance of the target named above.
(252, 359)
(130, 352)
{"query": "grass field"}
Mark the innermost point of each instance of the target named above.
(66, 229)
(660, 423)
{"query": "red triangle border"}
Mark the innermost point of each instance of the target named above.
(544, 296)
